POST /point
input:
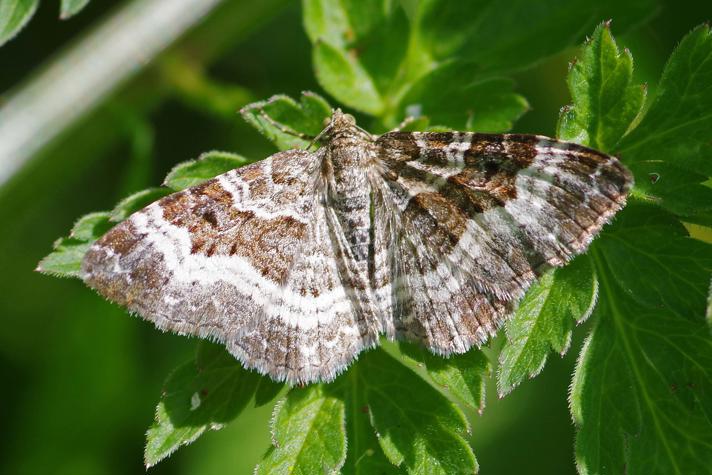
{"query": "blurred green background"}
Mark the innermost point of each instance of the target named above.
(80, 377)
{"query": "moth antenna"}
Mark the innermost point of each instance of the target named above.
(404, 123)
(284, 128)
(368, 134)
(319, 136)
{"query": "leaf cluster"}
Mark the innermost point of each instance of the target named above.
(642, 390)
(15, 14)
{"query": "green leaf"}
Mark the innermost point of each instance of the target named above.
(642, 386)
(208, 165)
(14, 15)
(71, 8)
(544, 321)
(346, 21)
(66, 258)
(416, 426)
(679, 118)
(368, 57)
(674, 188)
(136, 202)
(365, 455)
(671, 143)
(708, 314)
(647, 241)
(346, 79)
(462, 376)
(326, 21)
(90, 227)
(468, 104)
(510, 35)
(388, 414)
(642, 391)
(267, 390)
(204, 394)
(606, 102)
(287, 123)
(359, 46)
(308, 434)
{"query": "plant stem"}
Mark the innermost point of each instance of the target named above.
(79, 78)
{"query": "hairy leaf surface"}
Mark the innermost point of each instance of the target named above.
(287, 123)
(203, 394)
(606, 102)
(642, 392)
(670, 151)
(209, 164)
(417, 427)
(308, 434)
(66, 258)
(544, 321)
(461, 376)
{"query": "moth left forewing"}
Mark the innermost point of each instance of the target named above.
(244, 259)
(484, 214)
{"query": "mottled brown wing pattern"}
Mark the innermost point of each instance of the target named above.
(480, 216)
(244, 259)
(298, 262)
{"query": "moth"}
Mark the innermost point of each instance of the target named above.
(299, 262)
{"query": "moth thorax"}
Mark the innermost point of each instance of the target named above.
(349, 151)
(349, 163)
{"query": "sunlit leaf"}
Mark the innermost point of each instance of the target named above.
(669, 151)
(365, 455)
(137, 201)
(487, 105)
(642, 385)
(416, 426)
(14, 14)
(346, 79)
(606, 101)
(642, 392)
(462, 376)
(359, 46)
(208, 165)
(66, 258)
(308, 434)
(287, 123)
(544, 321)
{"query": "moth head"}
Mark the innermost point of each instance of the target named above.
(341, 124)
(339, 119)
